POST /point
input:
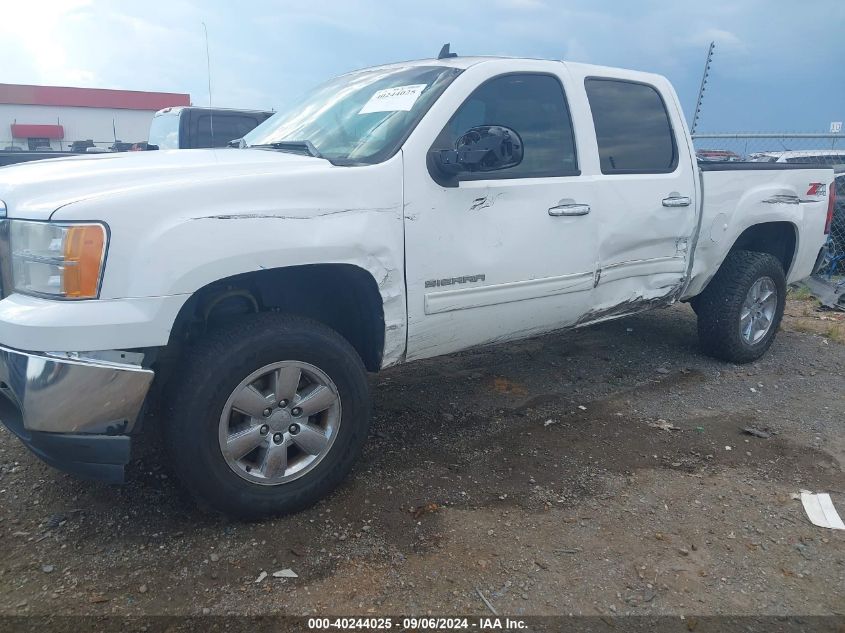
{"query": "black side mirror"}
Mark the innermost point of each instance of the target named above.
(481, 149)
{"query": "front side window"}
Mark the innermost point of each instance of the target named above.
(532, 105)
(358, 118)
(633, 129)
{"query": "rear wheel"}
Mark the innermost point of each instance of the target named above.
(268, 415)
(740, 310)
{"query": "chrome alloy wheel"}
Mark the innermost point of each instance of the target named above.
(758, 310)
(280, 422)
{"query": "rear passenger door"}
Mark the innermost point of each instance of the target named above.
(645, 189)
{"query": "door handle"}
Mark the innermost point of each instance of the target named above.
(677, 201)
(569, 209)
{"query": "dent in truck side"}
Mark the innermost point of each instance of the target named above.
(768, 197)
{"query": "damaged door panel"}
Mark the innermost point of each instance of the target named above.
(646, 193)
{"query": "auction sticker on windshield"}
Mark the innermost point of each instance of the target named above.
(393, 99)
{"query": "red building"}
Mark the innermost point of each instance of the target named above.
(54, 117)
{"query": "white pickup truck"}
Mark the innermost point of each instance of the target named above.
(396, 213)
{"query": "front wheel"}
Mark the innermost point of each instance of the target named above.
(740, 310)
(267, 415)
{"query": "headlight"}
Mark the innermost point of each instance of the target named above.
(58, 260)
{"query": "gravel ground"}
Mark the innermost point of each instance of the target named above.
(598, 472)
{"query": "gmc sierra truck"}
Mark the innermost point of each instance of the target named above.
(396, 213)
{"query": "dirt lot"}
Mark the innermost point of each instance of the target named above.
(534, 473)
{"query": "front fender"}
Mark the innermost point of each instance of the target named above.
(173, 240)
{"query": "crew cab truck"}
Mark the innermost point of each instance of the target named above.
(397, 213)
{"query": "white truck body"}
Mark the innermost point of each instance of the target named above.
(181, 220)
(484, 261)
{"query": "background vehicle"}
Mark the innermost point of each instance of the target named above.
(12, 157)
(80, 147)
(191, 128)
(833, 265)
(806, 157)
(717, 155)
(396, 213)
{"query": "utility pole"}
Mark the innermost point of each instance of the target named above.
(208, 72)
(701, 89)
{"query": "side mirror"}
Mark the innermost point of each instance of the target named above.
(481, 149)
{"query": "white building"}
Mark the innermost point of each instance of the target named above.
(39, 116)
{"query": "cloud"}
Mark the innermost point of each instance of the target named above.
(266, 52)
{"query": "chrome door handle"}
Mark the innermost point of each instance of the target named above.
(677, 201)
(569, 209)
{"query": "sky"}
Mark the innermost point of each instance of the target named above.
(778, 64)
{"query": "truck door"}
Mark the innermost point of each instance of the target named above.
(503, 254)
(645, 191)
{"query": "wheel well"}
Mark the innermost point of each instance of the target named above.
(775, 238)
(342, 296)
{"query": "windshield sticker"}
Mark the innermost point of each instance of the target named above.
(400, 98)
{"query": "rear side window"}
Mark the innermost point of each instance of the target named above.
(227, 127)
(532, 104)
(632, 128)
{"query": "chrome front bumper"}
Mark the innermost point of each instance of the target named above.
(74, 414)
(60, 395)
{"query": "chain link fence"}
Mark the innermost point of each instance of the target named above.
(787, 147)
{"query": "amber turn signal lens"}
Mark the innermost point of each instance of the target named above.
(84, 248)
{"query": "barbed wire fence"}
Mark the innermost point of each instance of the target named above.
(789, 147)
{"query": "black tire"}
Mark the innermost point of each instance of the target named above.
(212, 370)
(718, 307)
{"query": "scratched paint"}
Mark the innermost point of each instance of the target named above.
(485, 201)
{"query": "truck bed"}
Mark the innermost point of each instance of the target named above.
(738, 195)
(734, 165)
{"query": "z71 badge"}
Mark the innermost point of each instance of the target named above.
(817, 189)
(436, 283)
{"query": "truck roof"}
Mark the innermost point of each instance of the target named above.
(466, 62)
(177, 109)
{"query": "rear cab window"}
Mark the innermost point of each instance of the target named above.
(633, 129)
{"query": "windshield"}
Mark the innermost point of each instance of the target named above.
(358, 118)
